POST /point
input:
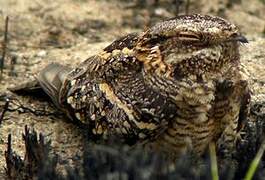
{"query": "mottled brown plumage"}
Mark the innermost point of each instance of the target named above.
(176, 87)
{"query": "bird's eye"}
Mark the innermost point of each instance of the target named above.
(187, 36)
(155, 40)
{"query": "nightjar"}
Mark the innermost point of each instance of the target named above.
(175, 87)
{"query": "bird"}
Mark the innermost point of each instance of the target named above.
(175, 87)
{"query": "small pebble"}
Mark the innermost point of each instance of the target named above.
(42, 53)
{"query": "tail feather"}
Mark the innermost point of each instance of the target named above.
(51, 79)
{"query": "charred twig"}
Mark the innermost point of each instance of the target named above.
(23, 109)
(13, 62)
(36, 155)
(12, 104)
(178, 4)
(187, 6)
(14, 163)
(36, 150)
(5, 108)
(8, 155)
(4, 46)
(15, 105)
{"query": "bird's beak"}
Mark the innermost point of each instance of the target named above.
(240, 38)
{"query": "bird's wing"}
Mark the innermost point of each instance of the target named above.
(108, 91)
(101, 67)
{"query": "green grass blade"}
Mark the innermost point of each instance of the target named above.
(214, 169)
(255, 162)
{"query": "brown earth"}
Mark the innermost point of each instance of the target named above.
(69, 31)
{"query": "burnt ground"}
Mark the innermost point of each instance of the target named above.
(69, 31)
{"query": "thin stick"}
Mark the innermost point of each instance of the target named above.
(177, 4)
(187, 7)
(5, 108)
(8, 156)
(4, 46)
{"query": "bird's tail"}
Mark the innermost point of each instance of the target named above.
(51, 79)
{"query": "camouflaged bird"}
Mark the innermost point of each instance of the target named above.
(176, 86)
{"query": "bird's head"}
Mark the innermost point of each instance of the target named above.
(190, 44)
